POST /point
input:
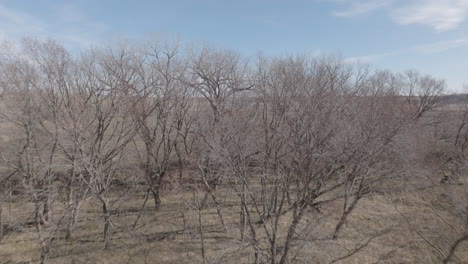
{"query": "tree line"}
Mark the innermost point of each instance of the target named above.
(288, 136)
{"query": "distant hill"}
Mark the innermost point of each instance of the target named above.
(454, 99)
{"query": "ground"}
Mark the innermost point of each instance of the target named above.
(406, 226)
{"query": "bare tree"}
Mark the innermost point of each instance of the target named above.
(270, 150)
(217, 76)
(159, 113)
(320, 132)
(422, 92)
(109, 128)
(33, 103)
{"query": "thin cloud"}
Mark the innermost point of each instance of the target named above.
(370, 58)
(424, 49)
(441, 15)
(13, 22)
(441, 46)
(16, 24)
(361, 8)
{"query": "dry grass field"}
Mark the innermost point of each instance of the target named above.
(404, 226)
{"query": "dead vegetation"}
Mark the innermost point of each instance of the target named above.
(155, 154)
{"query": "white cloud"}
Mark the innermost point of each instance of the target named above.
(439, 14)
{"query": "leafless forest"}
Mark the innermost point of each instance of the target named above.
(162, 153)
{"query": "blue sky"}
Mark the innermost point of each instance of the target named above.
(428, 35)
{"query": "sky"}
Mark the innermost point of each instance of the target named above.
(430, 36)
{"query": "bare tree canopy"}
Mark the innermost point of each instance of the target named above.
(293, 159)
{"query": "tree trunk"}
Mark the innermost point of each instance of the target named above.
(106, 234)
(156, 195)
(47, 209)
(289, 237)
(71, 210)
(220, 213)
(73, 218)
(181, 164)
(1, 221)
(44, 253)
(142, 208)
(340, 225)
(202, 240)
(243, 213)
(209, 192)
(44, 247)
(74, 200)
(242, 224)
(344, 216)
